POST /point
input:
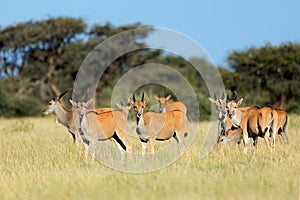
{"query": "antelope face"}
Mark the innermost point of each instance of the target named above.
(81, 106)
(220, 107)
(138, 106)
(222, 140)
(162, 102)
(232, 106)
(51, 106)
(125, 108)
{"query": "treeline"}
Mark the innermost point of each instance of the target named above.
(40, 59)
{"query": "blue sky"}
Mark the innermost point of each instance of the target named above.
(220, 26)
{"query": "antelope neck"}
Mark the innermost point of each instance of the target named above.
(63, 115)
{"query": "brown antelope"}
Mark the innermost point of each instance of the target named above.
(102, 126)
(232, 135)
(125, 108)
(65, 117)
(224, 124)
(282, 125)
(153, 126)
(165, 105)
(259, 123)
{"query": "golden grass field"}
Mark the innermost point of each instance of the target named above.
(39, 161)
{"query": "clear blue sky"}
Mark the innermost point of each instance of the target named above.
(220, 26)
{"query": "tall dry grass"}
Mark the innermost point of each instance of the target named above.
(39, 161)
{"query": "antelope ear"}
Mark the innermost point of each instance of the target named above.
(156, 97)
(119, 106)
(146, 102)
(212, 101)
(89, 102)
(73, 103)
(239, 102)
(130, 102)
(168, 97)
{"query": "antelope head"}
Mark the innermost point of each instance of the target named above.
(125, 108)
(232, 104)
(220, 105)
(162, 102)
(139, 106)
(53, 103)
(81, 106)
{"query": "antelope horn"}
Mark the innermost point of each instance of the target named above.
(133, 98)
(86, 95)
(121, 103)
(227, 98)
(223, 95)
(62, 94)
(235, 96)
(143, 97)
(215, 96)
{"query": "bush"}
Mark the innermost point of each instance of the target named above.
(19, 106)
(293, 107)
(26, 106)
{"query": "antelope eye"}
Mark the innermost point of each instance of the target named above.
(134, 107)
(143, 106)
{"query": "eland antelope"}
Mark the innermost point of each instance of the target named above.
(259, 123)
(65, 117)
(224, 122)
(153, 126)
(282, 125)
(102, 126)
(165, 105)
(125, 108)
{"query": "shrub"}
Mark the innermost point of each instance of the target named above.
(19, 106)
(293, 107)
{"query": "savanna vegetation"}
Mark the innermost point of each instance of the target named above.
(40, 59)
(39, 161)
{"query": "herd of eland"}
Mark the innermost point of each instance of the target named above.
(235, 123)
(91, 126)
(242, 123)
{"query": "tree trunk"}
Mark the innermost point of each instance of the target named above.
(50, 77)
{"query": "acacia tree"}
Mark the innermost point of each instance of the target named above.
(43, 56)
(31, 52)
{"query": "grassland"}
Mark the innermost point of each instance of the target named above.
(39, 161)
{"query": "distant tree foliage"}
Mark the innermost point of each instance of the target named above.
(40, 59)
(269, 75)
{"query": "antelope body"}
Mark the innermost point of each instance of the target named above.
(102, 126)
(282, 125)
(65, 117)
(259, 122)
(153, 126)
